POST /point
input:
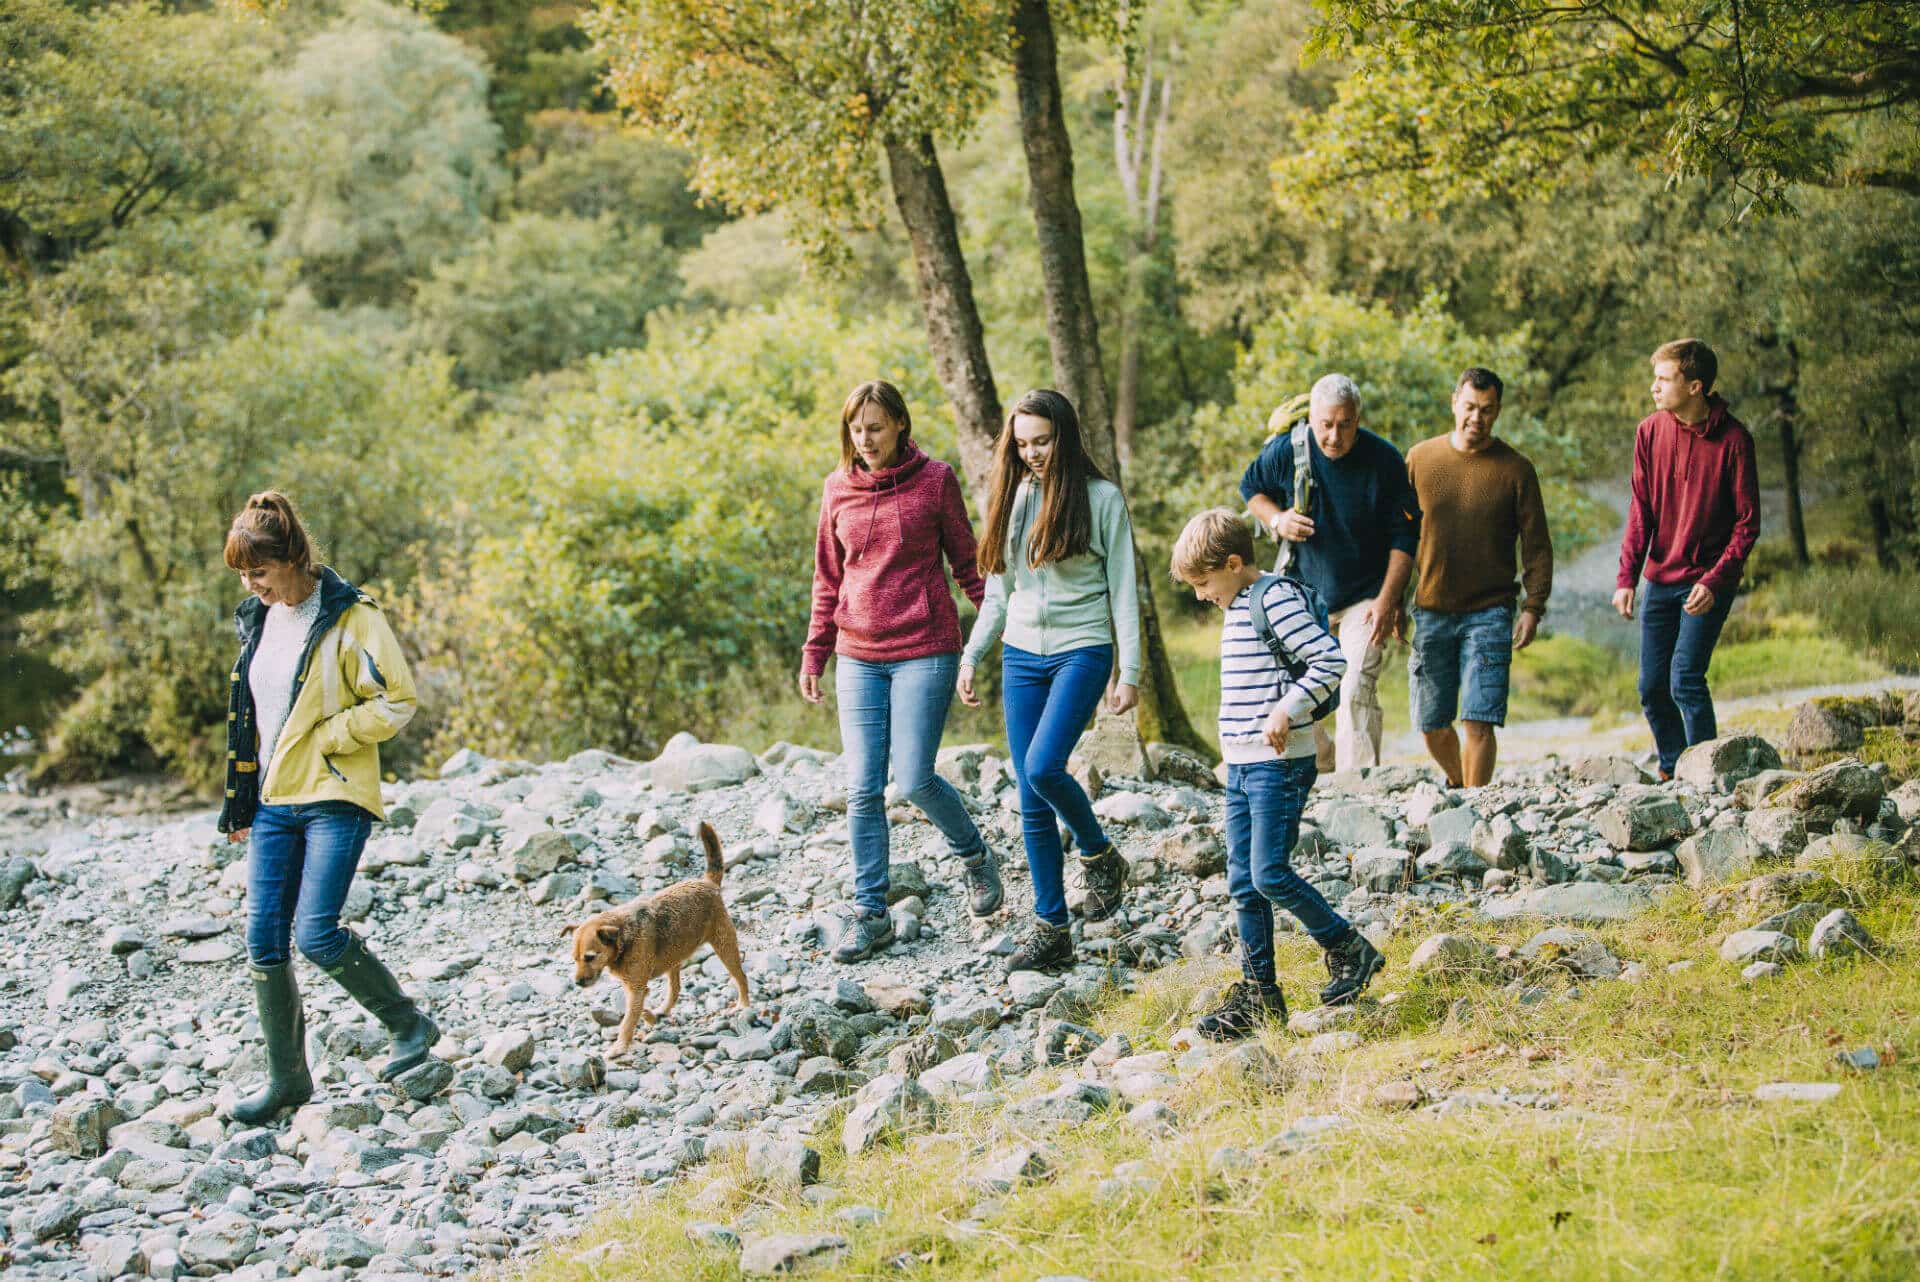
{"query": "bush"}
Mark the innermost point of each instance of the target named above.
(648, 555)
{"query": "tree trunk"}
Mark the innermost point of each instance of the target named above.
(1131, 153)
(946, 302)
(1073, 336)
(1784, 387)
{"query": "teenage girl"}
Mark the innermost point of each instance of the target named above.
(1058, 556)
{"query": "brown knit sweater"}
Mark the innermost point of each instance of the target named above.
(1474, 508)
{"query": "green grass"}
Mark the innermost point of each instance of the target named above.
(1656, 1163)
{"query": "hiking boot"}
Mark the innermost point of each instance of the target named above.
(1047, 948)
(1246, 1006)
(284, 1027)
(985, 894)
(374, 987)
(1104, 875)
(864, 937)
(1351, 967)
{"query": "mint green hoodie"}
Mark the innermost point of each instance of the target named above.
(1082, 601)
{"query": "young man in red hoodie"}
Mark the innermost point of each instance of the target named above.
(1692, 521)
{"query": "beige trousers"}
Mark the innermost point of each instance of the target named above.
(1358, 723)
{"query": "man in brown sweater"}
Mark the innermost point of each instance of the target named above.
(1479, 497)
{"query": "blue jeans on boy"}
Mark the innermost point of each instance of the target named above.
(1675, 648)
(895, 712)
(1264, 801)
(1460, 664)
(1048, 700)
(300, 862)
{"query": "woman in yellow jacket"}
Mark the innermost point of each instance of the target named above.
(319, 684)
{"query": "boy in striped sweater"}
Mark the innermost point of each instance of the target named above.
(1266, 736)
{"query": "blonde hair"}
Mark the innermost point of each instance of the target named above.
(1208, 540)
(268, 529)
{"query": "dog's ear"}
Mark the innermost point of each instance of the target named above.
(608, 936)
(568, 932)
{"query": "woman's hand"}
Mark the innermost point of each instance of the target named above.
(963, 684)
(237, 836)
(810, 687)
(1122, 698)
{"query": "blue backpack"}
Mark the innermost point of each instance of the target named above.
(1263, 629)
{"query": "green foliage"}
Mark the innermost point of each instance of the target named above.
(538, 291)
(1451, 99)
(783, 104)
(587, 165)
(385, 151)
(655, 554)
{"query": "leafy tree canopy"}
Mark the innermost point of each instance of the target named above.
(1451, 99)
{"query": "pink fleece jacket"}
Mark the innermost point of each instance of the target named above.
(879, 590)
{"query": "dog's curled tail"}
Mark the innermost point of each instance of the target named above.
(711, 840)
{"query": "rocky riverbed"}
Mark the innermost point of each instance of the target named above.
(126, 1016)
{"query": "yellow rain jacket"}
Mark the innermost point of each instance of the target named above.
(353, 690)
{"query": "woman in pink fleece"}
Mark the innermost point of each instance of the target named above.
(888, 516)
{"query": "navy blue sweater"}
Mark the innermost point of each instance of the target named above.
(1362, 508)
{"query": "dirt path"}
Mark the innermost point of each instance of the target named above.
(1574, 737)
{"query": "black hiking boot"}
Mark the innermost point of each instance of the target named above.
(865, 936)
(1046, 948)
(985, 894)
(284, 1027)
(374, 987)
(1247, 1005)
(1350, 967)
(1104, 875)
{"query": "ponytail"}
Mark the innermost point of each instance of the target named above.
(268, 529)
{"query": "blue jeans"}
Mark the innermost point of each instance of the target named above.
(1675, 648)
(1264, 801)
(1048, 700)
(300, 861)
(895, 711)
(1460, 661)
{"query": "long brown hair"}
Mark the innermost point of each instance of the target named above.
(268, 529)
(1064, 527)
(892, 404)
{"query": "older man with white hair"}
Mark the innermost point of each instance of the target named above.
(1338, 496)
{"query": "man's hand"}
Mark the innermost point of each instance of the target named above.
(237, 836)
(964, 685)
(1523, 629)
(1700, 600)
(1277, 728)
(1122, 698)
(1623, 602)
(1292, 527)
(1386, 619)
(810, 687)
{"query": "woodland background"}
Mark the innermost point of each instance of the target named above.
(544, 312)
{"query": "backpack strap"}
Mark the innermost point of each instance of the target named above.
(1283, 563)
(1257, 612)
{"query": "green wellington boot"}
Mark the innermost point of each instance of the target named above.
(374, 987)
(284, 1027)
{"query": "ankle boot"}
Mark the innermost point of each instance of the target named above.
(284, 1027)
(374, 987)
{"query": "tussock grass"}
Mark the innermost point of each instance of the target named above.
(1654, 1160)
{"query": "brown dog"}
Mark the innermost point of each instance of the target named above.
(655, 936)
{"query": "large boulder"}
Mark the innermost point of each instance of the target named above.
(1818, 728)
(1844, 789)
(1196, 851)
(1355, 824)
(1719, 764)
(699, 767)
(1445, 953)
(1717, 855)
(1643, 821)
(1382, 868)
(1777, 830)
(1584, 902)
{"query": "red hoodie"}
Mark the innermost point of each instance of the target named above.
(1695, 513)
(879, 591)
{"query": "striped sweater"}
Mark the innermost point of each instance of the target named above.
(1252, 680)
